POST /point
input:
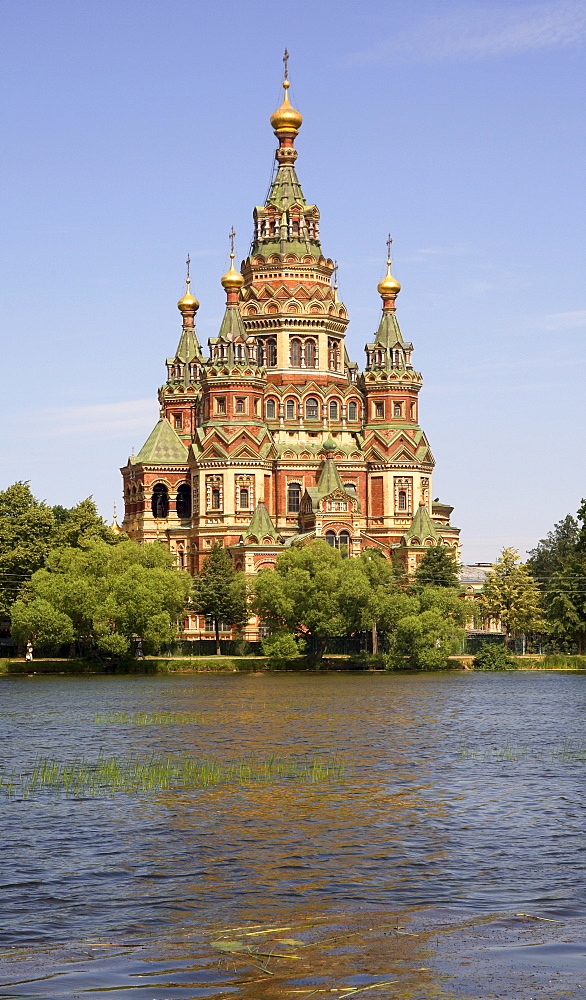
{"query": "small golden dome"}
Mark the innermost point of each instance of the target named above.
(189, 302)
(286, 118)
(389, 285)
(232, 278)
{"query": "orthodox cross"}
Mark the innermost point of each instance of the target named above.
(335, 275)
(188, 263)
(231, 236)
(389, 243)
(286, 61)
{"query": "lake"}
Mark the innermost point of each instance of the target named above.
(446, 861)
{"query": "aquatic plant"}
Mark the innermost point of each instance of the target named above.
(566, 754)
(148, 718)
(106, 776)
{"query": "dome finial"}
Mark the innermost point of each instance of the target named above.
(389, 287)
(286, 120)
(232, 280)
(188, 304)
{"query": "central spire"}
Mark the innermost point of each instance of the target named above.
(286, 223)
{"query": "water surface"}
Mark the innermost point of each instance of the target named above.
(461, 806)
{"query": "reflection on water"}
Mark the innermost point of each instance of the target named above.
(132, 884)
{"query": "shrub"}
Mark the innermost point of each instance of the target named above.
(494, 657)
(280, 644)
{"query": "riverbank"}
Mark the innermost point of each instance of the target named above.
(257, 664)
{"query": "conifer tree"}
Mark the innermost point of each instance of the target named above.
(438, 568)
(219, 592)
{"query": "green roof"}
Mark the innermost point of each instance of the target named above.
(422, 526)
(188, 349)
(261, 525)
(329, 479)
(232, 326)
(389, 331)
(162, 447)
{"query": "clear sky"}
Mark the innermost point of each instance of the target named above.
(134, 131)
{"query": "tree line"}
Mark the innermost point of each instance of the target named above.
(67, 578)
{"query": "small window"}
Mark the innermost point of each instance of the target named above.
(310, 354)
(333, 410)
(397, 410)
(413, 411)
(260, 356)
(271, 409)
(379, 410)
(216, 499)
(312, 409)
(296, 353)
(240, 406)
(290, 409)
(271, 353)
(402, 500)
(352, 411)
(220, 404)
(331, 538)
(293, 498)
(243, 499)
(178, 421)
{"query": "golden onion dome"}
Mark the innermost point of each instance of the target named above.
(232, 278)
(189, 302)
(389, 285)
(286, 118)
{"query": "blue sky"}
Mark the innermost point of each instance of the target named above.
(133, 132)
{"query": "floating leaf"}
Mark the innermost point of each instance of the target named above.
(230, 945)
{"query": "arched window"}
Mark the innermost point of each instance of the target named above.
(216, 499)
(271, 353)
(290, 409)
(379, 409)
(333, 410)
(293, 498)
(402, 500)
(397, 410)
(310, 354)
(160, 501)
(270, 409)
(243, 499)
(240, 406)
(331, 538)
(311, 408)
(183, 502)
(260, 354)
(296, 353)
(352, 411)
(344, 543)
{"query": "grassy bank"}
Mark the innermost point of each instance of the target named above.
(256, 664)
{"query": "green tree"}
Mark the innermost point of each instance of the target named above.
(511, 595)
(313, 593)
(438, 568)
(219, 592)
(549, 556)
(27, 529)
(425, 637)
(80, 524)
(387, 602)
(105, 595)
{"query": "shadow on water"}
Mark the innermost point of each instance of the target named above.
(418, 872)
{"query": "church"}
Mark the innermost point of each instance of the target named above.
(276, 437)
